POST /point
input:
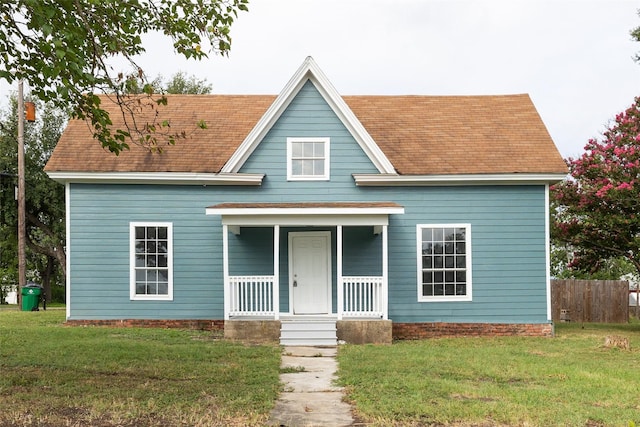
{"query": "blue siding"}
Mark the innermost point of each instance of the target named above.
(362, 252)
(507, 223)
(100, 216)
(508, 253)
(251, 252)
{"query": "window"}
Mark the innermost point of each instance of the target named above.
(444, 262)
(307, 159)
(151, 261)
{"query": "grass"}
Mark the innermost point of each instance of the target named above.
(52, 375)
(569, 380)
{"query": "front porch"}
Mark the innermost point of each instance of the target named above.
(326, 271)
(360, 318)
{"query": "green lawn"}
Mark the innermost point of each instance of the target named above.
(52, 375)
(569, 380)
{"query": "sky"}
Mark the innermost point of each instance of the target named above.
(573, 57)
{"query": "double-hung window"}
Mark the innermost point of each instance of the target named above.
(308, 159)
(444, 262)
(151, 247)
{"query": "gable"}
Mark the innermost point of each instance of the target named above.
(309, 71)
(308, 115)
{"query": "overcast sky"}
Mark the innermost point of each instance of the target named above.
(573, 57)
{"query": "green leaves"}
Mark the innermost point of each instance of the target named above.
(62, 47)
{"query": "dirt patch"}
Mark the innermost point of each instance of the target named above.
(81, 417)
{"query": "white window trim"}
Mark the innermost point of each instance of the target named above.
(132, 261)
(327, 156)
(449, 298)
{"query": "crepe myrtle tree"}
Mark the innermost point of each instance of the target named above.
(597, 209)
(64, 50)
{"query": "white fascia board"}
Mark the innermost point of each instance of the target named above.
(309, 70)
(363, 180)
(304, 220)
(304, 211)
(170, 178)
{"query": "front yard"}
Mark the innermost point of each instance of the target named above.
(569, 380)
(52, 375)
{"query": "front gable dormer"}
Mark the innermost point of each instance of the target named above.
(307, 144)
(309, 73)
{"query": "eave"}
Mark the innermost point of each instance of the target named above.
(379, 180)
(166, 178)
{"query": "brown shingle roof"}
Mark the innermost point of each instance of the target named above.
(459, 134)
(229, 119)
(420, 135)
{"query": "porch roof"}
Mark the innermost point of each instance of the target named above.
(305, 213)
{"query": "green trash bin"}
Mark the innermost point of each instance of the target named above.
(31, 297)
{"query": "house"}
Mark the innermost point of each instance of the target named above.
(310, 217)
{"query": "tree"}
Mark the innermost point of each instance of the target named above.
(63, 48)
(45, 226)
(597, 210)
(181, 83)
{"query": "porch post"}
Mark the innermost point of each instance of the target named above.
(340, 284)
(385, 273)
(225, 269)
(276, 271)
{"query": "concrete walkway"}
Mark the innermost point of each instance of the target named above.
(310, 397)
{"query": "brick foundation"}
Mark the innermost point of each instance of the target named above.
(253, 331)
(199, 324)
(400, 331)
(416, 331)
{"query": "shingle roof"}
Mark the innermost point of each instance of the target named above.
(459, 134)
(420, 135)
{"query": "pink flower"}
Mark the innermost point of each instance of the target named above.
(624, 186)
(604, 190)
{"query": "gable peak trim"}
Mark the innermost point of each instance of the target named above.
(309, 71)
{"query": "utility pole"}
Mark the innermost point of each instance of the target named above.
(22, 263)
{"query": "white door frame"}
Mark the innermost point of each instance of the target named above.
(326, 234)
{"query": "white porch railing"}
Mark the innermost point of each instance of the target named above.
(363, 296)
(251, 296)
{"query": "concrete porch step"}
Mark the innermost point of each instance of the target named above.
(306, 332)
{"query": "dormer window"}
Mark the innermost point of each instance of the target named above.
(307, 159)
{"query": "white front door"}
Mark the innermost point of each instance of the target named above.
(310, 272)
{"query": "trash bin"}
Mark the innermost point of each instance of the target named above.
(31, 294)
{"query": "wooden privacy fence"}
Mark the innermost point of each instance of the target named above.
(603, 301)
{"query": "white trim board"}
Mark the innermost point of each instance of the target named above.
(381, 180)
(171, 178)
